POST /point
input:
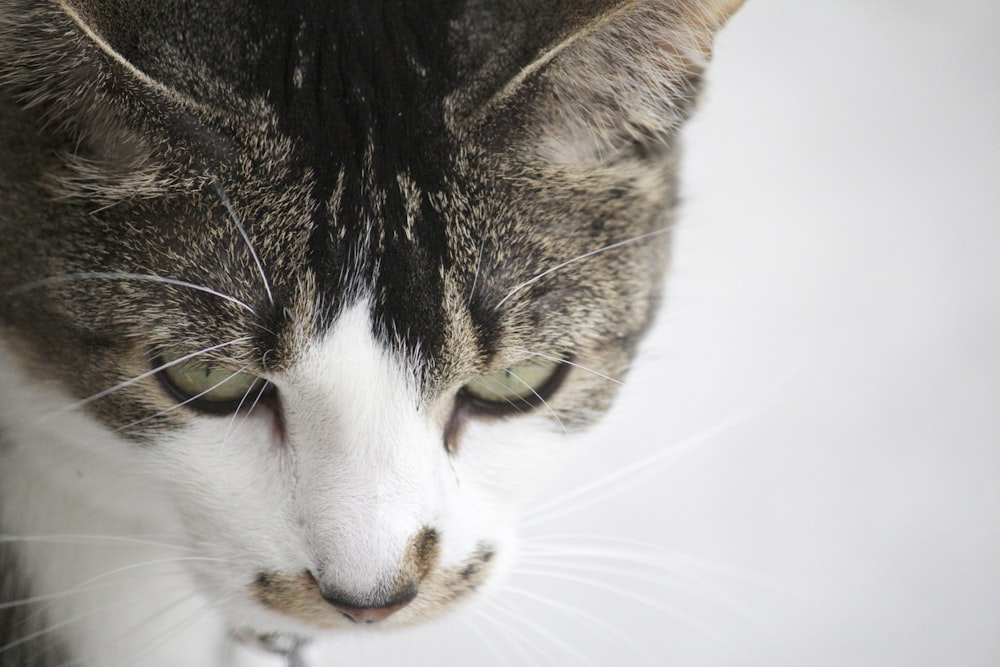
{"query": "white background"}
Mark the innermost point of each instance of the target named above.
(825, 378)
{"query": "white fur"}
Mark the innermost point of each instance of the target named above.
(361, 471)
(65, 479)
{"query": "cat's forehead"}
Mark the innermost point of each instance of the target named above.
(315, 161)
(324, 124)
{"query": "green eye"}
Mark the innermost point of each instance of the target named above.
(207, 386)
(517, 388)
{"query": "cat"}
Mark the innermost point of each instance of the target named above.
(300, 300)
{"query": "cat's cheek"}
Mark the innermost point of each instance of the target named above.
(226, 475)
(509, 461)
(504, 465)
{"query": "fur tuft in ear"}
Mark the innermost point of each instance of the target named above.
(627, 74)
(105, 110)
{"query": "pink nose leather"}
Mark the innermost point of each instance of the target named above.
(368, 614)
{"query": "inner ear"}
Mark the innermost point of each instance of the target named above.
(119, 126)
(85, 18)
(595, 76)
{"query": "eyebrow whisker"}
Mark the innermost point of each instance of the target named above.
(235, 217)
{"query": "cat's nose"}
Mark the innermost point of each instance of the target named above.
(370, 614)
(363, 598)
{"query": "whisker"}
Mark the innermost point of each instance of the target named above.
(673, 578)
(89, 539)
(182, 403)
(573, 364)
(76, 590)
(588, 620)
(539, 397)
(629, 476)
(641, 553)
(58, 626)
(517, 288)
(116, 275)
(548, 636)
(137, 566)
(140, 377)
(654, 559)
(236, 414)
(100, 209)
(87, 584)
(559, 555)
(650, 602)
(487, 378)
(656, 556)
(169, 633)
(83, 587)
(516, 638)
(235, 217)
(260, 394)
(492, 647)
(49, 597)
(119, 585)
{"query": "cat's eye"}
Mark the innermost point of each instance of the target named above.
(517, 388)
(208, 386)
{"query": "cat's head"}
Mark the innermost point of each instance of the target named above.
(334, 280)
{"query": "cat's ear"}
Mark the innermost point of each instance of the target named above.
(594, 75)
(112, 119)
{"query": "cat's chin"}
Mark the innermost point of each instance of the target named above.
(279, 643)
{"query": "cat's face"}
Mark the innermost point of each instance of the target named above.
(335, 284)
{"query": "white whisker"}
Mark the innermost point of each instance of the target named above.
(637, 552)
(494, 651)
(542, 400)
(650, 602)
(487, 378)
(629, 476)
(87, 584)
(116, 275)
(58, 626)
(657, 557)
(235, 217)
(671, 577)
(517, 288)
(150, 563)
(77, 590)
(515, 637)
(232, 420)
(176, 628)
(548, 636)
(239, 407)
(182, 403)
(140, 377)
(90, 539)
(573, 364)
(588, 620)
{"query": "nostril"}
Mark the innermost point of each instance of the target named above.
(369, 613)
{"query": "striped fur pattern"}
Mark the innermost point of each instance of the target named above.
(363, 207)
